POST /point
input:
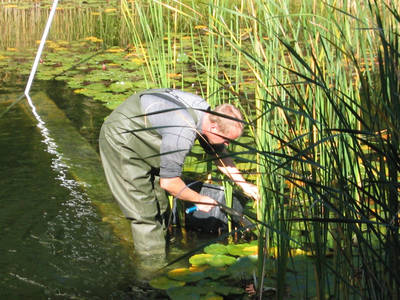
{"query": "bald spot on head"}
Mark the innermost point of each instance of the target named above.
(225, 125)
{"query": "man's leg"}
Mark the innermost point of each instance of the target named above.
(133, 185)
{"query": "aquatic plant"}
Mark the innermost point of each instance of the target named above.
(324, 167)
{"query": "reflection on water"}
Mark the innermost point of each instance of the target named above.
(52, 241)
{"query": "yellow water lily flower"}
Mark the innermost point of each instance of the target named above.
(95, 13)
(11, 49)
(10, 6)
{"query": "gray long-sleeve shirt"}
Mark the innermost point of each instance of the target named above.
(175, 124)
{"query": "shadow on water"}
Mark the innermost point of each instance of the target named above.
(54, 241)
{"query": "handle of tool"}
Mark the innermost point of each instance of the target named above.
(191, 209)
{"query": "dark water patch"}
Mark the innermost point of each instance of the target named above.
(86, 114)
(53, 243)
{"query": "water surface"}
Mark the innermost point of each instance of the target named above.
(53, 243)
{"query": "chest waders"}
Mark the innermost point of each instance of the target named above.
(130, 155)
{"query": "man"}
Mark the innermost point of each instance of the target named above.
(143, 144)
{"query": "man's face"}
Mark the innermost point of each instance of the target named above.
(215, 136)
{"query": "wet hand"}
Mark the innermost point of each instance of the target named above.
(207, 204)
(251, 191)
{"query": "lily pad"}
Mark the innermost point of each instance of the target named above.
(185, 292)
(185, 274)
(164, 283)
(200, 259)
(121, 86)
(211, 296)
(242, 249)
(243, 267)
(220, 260)
(215, 273)
(216, 249)
(219, 288)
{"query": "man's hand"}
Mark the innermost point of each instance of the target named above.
(250, 190)
(206, 207)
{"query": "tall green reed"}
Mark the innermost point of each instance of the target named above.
(321, 80)
(29, 18)
(311, 99)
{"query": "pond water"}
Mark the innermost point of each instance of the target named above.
(62, 234)
(53, 242)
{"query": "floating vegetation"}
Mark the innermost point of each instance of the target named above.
(212, 274)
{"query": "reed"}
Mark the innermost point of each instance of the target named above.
(29, 19)
(316, 142)
(325, 123)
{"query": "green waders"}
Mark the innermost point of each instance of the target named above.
(130, 158)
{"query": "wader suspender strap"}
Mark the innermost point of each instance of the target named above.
(174, 100)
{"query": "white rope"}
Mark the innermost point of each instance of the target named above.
(40, 49)
(34, 69)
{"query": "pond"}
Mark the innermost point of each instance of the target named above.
(63, 235)
(53, 241)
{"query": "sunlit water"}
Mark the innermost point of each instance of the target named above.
(52, 241)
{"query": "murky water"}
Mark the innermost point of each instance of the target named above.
(53, 243)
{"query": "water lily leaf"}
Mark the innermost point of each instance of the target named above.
(96, 87)
(164, 283)
(141, 84)
(216, 249)
(242, 268)
(212, 296)
(185, 274)
(242, 249)
(185, 292)
(215, 273)
(104, 97)
(200, 259)
(120, 86)
(251, 250)
(133, 64)
(219, 288)
(113, 104)
(75, 83)
(198, 268)
(62, 78)
(220, 260)
(190, 79)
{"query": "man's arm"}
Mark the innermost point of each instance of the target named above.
(226, 166)
(177, 188)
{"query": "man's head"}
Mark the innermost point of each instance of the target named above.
(219, 129)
